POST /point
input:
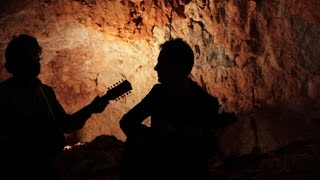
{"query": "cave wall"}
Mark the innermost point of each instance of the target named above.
(260, 58)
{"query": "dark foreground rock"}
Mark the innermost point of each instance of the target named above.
(100, 159)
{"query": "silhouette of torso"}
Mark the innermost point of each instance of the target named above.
(30, 133)
(26, 114)
(176, 143)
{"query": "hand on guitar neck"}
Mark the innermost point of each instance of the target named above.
(115, 92)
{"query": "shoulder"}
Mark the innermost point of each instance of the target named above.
(156, 89)
(156, 93)
(6, 82)
(5, 87)
(48, 90)
(204, 97)
(46, 87)
(3, 84)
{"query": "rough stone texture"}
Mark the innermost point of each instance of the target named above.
(260, 58)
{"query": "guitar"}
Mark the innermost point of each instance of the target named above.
(117, 91)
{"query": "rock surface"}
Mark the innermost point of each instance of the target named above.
(101, 159)
(260, 58)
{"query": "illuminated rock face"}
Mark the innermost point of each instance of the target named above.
(260, 58)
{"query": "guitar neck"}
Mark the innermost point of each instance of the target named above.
(117, 91)
(105, 98)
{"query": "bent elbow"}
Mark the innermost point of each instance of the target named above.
(124, 125)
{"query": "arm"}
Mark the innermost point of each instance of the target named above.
(130, 123)
(218, 119)
(76, 121)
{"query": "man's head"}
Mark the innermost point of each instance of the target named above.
(175, 60)
(23, 56)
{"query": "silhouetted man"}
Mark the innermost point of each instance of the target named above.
(182, 115)
(33, 122)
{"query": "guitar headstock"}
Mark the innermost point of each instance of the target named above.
(118, 90)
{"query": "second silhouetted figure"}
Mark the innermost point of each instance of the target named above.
(182, 115)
